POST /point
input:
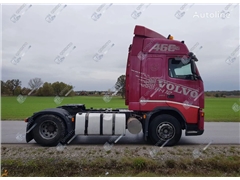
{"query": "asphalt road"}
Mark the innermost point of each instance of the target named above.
(217, 133)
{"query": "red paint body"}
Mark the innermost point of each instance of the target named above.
(149, 83)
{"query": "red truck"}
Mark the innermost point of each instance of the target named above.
(164, 94)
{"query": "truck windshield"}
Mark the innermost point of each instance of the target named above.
(179, 70)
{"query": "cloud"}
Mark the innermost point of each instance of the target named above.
(74, 25)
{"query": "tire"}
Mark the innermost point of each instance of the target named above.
(49, 131)
(163, 128)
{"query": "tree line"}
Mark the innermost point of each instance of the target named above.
(36, 88)
(222, 93)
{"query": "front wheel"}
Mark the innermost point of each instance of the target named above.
(165, 128)
(49, 131)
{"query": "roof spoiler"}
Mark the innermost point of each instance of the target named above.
(143, 31)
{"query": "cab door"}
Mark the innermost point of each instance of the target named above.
(184, 90)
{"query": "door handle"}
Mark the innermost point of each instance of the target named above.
(170, 96)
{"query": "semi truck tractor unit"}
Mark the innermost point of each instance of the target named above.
(163, 91)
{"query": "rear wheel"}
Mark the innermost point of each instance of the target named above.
(165, 128)
(49, 131)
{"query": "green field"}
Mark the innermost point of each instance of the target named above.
(216, 109)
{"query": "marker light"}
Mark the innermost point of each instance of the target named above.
(170, 37)
(144, 116)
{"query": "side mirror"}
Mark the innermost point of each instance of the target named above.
(193, 67)
(194, 70)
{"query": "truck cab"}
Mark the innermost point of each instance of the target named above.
(162, 77)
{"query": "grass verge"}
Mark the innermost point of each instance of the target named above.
(139, 166)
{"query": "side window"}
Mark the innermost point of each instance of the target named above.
(179, 70)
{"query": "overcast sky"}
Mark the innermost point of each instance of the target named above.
(218, 37)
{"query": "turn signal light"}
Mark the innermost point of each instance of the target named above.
(202, 114)
(73, 119)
